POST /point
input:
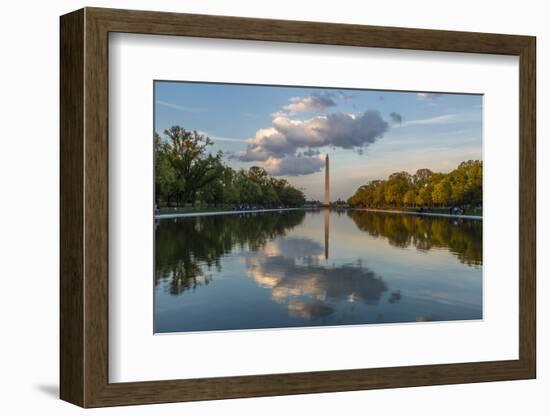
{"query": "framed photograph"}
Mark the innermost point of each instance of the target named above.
(256, 207)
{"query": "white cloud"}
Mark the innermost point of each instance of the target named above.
(294, 165)
(342, 130)
(316, 102)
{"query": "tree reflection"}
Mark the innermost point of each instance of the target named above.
(274, 277)
(461, 237)
(187, 249)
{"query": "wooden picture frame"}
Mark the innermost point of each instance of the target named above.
(84, 207)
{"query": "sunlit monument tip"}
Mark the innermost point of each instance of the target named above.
(326, 200)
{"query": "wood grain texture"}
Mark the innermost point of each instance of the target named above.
(96, 219)
(71, 218)
(225, 27)
(527, 207)
(84, 207)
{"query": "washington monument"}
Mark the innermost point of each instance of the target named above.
(326, 200)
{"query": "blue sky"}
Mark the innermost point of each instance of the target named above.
(368, 134)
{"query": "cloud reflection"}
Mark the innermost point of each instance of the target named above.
(292, 270)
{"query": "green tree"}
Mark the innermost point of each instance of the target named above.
(230, 186)
(270, 197)
(165, 183)
(379, 190)
(424, 197)
(258, 175)
(165, 175)
(442, 192)
(186, 172)
(409, 199)
(473, 188)
(249, 191)
(194, 167)
(397, 185)
(422, 177)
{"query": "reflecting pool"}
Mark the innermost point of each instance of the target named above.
(314, 267)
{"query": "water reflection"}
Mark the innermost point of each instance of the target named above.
(188, 249)
(326, 223)
(275, 270)
(291, 270)
(461, 237)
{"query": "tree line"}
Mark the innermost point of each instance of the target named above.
(186, 173)
(460, 187)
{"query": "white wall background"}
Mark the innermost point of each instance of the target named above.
(29, 159)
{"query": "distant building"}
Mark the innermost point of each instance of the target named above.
(326, 200)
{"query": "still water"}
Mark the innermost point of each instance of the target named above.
(312, 268)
